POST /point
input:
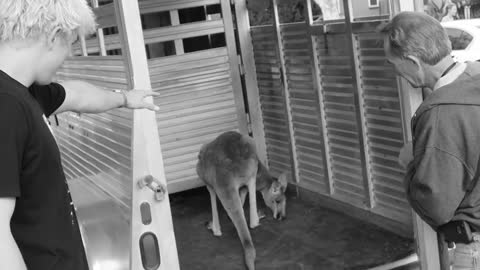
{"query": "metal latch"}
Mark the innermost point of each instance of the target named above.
(158, 189)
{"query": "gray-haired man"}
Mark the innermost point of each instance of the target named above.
(442, 174)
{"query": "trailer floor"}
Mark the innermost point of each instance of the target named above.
(311, 238)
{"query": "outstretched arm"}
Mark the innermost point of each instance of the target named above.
(84, 97)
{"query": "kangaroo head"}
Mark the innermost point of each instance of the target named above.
(274, 196)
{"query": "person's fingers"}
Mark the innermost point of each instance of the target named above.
(150, 106)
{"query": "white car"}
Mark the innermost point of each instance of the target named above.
(465, 38)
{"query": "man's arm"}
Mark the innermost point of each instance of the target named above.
(84, 97)
(435, 184)
(440, 174)
(10, 256)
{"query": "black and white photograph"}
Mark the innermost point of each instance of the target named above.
(240, 134)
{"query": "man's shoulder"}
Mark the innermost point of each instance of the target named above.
(14, 113)
(13, 93)
(15, 103)
(11, 98)
(11, 101)
(472, 69)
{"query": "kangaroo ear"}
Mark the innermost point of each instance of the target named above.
(282, 179)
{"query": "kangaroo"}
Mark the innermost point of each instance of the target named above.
(230, 168)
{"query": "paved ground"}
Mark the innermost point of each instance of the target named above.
(311, 238)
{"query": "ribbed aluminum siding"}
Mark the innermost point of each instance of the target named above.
(342, 129)
(304, 102)
(196, 104)
(97, 147)
(272, 98)
(382, 120)
(384, 126)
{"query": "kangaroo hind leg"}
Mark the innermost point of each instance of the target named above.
(252, 195)
(214, 224)
(233, 206)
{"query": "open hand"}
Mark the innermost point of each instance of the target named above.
(136, 99)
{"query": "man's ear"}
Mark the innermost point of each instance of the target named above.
(282, 179)
(414, 61)
(52, 37)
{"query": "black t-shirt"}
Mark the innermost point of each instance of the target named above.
(43, 224)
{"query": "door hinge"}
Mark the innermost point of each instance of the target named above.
(241, 67)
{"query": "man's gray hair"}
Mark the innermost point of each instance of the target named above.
(419, 35)
(30, 19)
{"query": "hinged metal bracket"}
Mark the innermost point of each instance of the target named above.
(158, 189)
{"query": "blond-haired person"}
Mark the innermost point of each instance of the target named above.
(38, 230)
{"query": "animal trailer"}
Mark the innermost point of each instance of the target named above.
(316, 97)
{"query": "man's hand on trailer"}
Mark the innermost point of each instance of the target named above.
(406, 155)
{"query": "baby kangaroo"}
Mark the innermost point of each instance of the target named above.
(230, 168)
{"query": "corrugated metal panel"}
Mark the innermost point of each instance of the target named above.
(343, 133)
(272, 99)
(103, 71)
(305, 107)
(196, 104)
(380, 114)
(384, 127)
(96, 147)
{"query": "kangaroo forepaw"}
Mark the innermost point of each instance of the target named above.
(216, 231)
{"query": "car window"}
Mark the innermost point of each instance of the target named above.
(459, 39)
